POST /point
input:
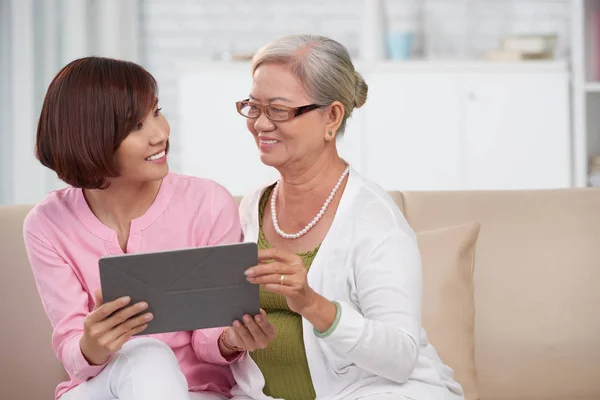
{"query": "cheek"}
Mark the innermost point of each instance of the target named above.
(297, 130)
(121, 158)
(250, 126)
(129, 151)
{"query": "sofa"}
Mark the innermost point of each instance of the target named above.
(529, 319)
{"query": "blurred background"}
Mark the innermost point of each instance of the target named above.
(463, 94)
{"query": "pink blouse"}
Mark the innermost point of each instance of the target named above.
(64, 241)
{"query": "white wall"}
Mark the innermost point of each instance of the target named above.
(173, 32)
(5, 109)
(180, 31)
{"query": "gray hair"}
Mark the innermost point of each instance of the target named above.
(322, 65)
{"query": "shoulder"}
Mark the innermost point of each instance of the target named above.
(199, 191)
(195, 185)
(56, 209)
(378, 236)
(377, 213)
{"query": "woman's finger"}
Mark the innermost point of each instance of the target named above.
(271, 268)
(273, 279)
(244, 335)
(130, 324)
(258, 336)
(123, 315)
(285, 291)
(234, 338)
(105, 310)
(263, 323)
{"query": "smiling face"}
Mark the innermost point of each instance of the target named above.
(298, 141)
(142, 155)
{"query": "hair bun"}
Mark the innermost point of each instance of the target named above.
(361, 90)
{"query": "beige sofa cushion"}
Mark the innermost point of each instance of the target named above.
(448, 308)
(537, 325)
(29, 370)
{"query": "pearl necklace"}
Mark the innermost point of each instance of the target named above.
(316, 219)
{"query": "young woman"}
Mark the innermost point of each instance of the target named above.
(103, 134)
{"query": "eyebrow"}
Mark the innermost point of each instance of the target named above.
(272, 99)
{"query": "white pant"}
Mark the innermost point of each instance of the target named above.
(381, 396)
(144, 369)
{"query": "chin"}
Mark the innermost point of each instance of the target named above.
(157, 173)
(270, 161)
(164, 172)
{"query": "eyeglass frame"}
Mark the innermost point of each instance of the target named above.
(293, 112)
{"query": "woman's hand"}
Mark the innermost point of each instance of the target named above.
(255, 333)
(106, 329)
(286, 276)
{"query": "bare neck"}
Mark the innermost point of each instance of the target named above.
(121, 202)
(313, 181)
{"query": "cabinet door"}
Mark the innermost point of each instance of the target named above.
(516, 131)
(215, 141)
(412, 131)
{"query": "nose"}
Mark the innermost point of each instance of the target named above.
(160, 133)
(263, 124)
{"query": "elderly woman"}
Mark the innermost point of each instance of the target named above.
(340, 270)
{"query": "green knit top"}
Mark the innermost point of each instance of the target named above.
(283, 363)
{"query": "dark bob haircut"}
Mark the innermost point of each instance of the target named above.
(90, 107)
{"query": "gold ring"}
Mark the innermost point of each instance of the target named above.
(281, 279)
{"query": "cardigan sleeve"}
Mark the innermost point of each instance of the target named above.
(382, 337)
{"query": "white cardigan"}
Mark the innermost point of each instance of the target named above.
(370, 263)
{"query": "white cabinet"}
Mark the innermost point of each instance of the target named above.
(516, 133)
(468, 130)
(424, 127)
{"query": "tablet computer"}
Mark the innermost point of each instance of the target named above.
(186, 289)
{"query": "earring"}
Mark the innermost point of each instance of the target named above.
(330, 133)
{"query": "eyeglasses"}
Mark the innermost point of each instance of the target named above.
(274, 112)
